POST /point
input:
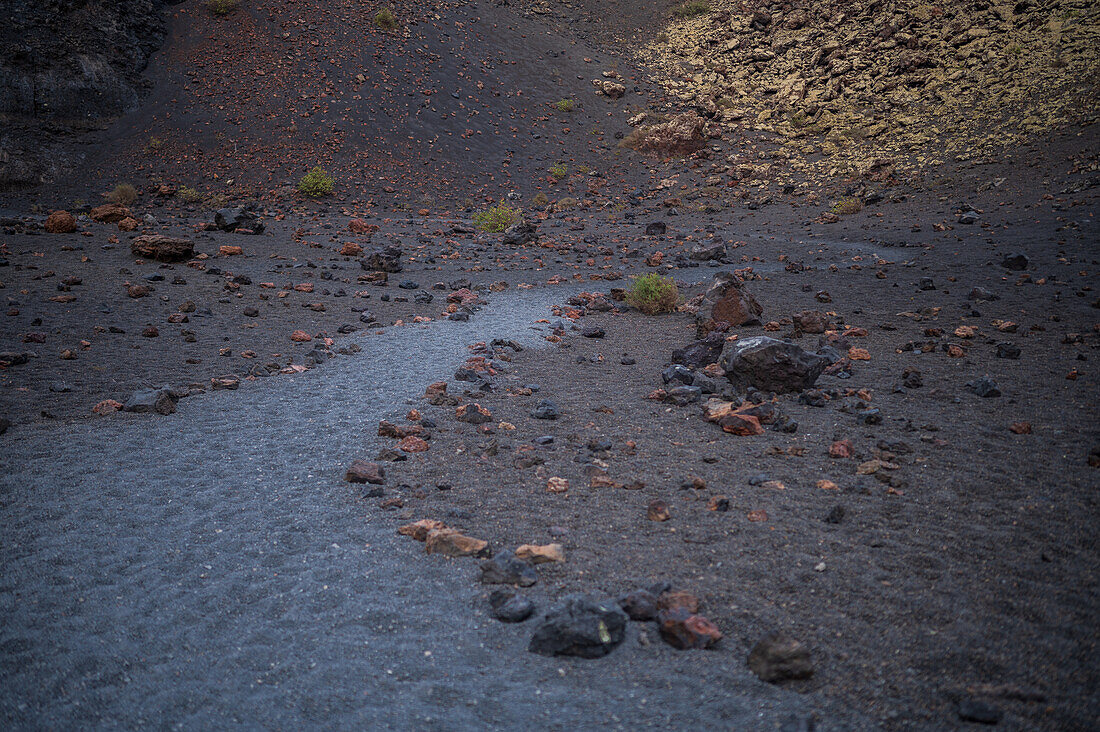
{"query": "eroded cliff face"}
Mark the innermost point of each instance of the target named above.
(67, 66)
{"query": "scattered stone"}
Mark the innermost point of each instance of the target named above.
(159, 401)
(520, 233)
(812, 321)
(674, 599)
(579, 626)
(640, 605)
(779, 657)
(412, 443)
(684, 630)
(362, 471)
(473, 413)
(726, 301)
(656, 228)
(162, 248)
(557, 484)
(658, 511)
(541, 554)
(1016, 262)
(109, 213)
(60, 222)
(107, 406)
(453, 543)
(713, 250)
(229, 381)
(984, 387)
(419, 530)
(771, 365)
(545, 410)
(592, 331)
(238, 219)
(608, 88)
(507, 569)
(980, 293)
(383, 259)
(508, 607)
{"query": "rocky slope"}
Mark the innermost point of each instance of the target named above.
(67, 66)
(857, 86)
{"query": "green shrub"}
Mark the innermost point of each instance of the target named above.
(565, 105)
(847, 206)
(189, 195)
(497, 218)
(222, 7)
(691, 9)
(559, 171)
(385, 19)
(540, 200)
(124, 194)
(653, 294)
(316, 183)
(154, 144)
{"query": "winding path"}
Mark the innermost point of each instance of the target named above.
(210, 570)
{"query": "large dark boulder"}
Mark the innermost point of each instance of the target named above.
(771, 365)
(237, 219)
(726, 301)
(383, 259)
(522, 232)
(152, 401)
(579, 626)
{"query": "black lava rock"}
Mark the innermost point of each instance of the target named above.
(580, 626)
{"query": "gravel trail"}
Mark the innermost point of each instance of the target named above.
(210, 569)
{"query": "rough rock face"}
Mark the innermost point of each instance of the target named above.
(771, 365)
(943, 72)
(579, 626)
(60, 222)
(67, 65)
(162, 248)
(726, 301)
(681, 135)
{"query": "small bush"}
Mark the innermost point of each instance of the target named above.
(154, 144)
(496, 219)
(124, 194)
(385, 19)
(559, 171)
(188, 195)
(316, 183)
(540, 200)
(565, 105)
(653, 294)
(565, 204)
(222, 7)
(691, 9)
(847, 206)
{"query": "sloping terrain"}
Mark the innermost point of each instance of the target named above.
(455, 100)
(856, 86)
(66, 67)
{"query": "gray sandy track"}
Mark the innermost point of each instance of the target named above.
(210, 569)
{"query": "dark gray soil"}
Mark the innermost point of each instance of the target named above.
(210, 569)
